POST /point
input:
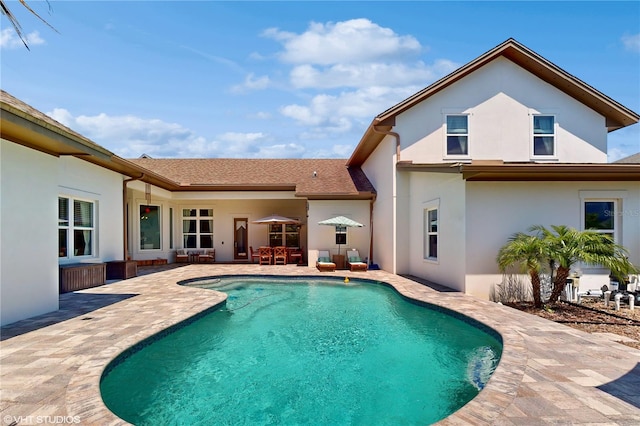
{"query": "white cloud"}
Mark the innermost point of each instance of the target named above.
(129, 137)
(373, 66)
(252, 83)
(347, 42)
(338, 113)
(10, 40)
(631, 42)
(368, 74)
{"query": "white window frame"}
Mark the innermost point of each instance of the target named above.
(428, 232)
(71, 227)
(615, 197)
(613, 214)
(456, 113)
(282, 234)
(533, 136)
(198, 234)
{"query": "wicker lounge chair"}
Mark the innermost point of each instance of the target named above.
(354, 262)
(324, 263)
(182, 256)
(209, 256)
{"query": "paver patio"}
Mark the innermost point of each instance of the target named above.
(549, 373)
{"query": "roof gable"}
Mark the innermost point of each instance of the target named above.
(616, 115)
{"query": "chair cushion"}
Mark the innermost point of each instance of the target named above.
(324, 260)
(355, 259)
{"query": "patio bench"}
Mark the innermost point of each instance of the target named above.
(78, 276)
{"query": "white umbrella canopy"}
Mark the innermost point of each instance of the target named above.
(341, 222)
(274, 219)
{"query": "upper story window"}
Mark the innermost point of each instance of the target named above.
(457, 135)
(544, 136)
(76, 227)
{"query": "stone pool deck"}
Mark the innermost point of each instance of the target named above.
(50, 366)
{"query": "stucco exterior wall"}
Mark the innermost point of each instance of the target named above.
(82, 180)
(380, 169)
(226, 206)
(446, 192)
(28, 233)
(496, 210)
(500, 98)
(322, 237)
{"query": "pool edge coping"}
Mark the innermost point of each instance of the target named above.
(83, 396)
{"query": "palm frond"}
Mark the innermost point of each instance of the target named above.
(16, 24)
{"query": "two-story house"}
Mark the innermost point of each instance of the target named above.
(440, 180)
(505, 142)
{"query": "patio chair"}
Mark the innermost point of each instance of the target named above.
(354, 262)
(295, 255)
(209, 256)
(182, 256)
(264, 255)
(254, 254)
(324, 263)
(280, 255)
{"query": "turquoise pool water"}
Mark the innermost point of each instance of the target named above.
(304, 352)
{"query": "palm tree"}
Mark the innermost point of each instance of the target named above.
(565, 246)
(527, 251)
(14, 22)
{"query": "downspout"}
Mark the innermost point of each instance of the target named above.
(397, 136)
(373, 200)
(125, 244)
(390, 133)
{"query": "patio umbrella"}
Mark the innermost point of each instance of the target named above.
(341, 222)
(275, 219)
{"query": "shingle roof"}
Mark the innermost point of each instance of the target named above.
(332, 179)
(632, 159)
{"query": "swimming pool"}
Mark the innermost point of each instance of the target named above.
(304, 351)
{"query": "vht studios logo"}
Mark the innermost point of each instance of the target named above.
(40, 420)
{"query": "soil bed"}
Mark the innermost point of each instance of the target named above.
(593, 317)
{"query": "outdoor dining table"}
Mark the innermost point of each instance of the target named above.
(291, 253)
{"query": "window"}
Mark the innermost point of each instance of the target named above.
(149, 227)
(275, 235)
(544, 139)
(289, 233)
(76, 227)
(341, 235)
(197, 228)
(457, 135)
(431, 233)
(171, 228)
(600, 215)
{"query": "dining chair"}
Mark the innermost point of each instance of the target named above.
(264, 254)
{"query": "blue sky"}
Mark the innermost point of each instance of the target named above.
(287, 79)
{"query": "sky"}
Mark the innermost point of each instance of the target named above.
(303, 79)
